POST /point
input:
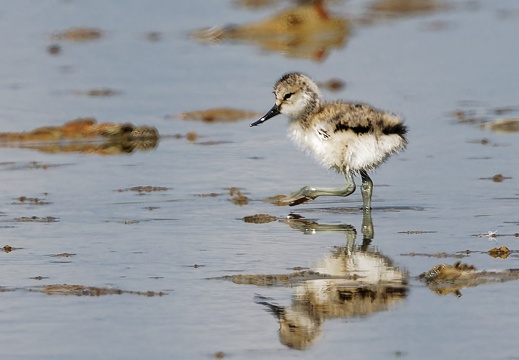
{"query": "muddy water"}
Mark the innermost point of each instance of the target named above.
(175, 252)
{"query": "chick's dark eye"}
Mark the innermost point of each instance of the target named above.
(287, 96)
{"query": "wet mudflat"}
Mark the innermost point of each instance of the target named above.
(138, 209)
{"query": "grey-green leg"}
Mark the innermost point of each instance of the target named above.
(366, 190)
(367, 230)
(309, 193)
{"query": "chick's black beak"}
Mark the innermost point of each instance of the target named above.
(270, 114)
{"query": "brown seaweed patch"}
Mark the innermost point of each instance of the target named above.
(39, 165)
(496, 178)
(439, 255)
(401, 8)
(30, 201)
(85, 135)
(81, 290)
(504, 110)
(178, 136)
(274, 279)
(103, 92)
(219, 355)
(237, 197)
(492, 235)
(144, 189)
(8, 248)
(485, 118)
(45, 219)
(483, 141)
(499, 252)
(276, 200)
(333, 84)
(191, 136)
(499, 178)
(502, 125)
(79, 34)
(29, 166)
(151, 208)
(444, 272)
(65, 254)
(39, 277)
(255, 4)
(299, 268)
(465, 117)
(217, 115)
(54, 49)
(447, 279)
(130, 222)
(153, 36)
(416, 232)
(259, 219)
(208, 194)
(83, 128)
(214, 142)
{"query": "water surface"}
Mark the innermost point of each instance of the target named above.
(435, 197)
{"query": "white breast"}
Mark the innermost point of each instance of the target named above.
(345, 149)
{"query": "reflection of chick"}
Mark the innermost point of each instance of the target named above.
(298, 325)
(366, 266)
(305, 31)
(354, 283)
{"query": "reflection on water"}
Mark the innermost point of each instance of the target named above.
(85, 135)
(78, 34)
(353, 280)
(172, 240)
(307, 31)
(310, 30)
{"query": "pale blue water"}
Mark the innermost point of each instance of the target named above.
(400, 64)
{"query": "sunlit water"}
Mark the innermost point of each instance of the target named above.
(422, 66)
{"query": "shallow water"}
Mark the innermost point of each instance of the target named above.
(435, 197)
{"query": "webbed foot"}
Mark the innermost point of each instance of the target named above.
(301, 196)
